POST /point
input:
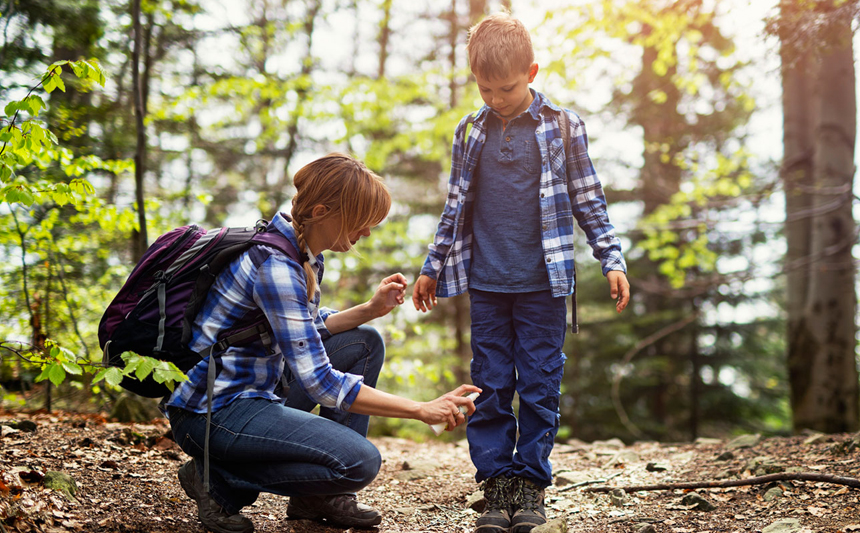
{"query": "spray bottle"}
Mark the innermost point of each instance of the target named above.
(441, 426)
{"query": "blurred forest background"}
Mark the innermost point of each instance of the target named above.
(742, 260)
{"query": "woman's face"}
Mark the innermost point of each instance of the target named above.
(331, 239)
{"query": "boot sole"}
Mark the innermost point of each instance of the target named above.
(296, 514)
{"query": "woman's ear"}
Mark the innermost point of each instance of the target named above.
(319, 211)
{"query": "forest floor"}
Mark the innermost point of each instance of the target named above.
(126, 482)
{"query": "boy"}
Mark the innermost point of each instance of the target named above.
(506, 236)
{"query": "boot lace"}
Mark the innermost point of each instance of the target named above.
(497, 492)
(528, 497)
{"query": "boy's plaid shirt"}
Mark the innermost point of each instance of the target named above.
(273, 282)
(562, 198)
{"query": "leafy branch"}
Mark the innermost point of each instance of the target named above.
(59, 362)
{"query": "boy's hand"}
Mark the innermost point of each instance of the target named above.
(619, 288)
(424, 294)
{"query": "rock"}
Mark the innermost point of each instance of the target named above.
(725, 456)
(27, 426)
(476, 501)
(772, 494)
(61, 483)
(645, 528)
(615, 444)
(743, 441)
(571, 478)
(815, 438)
(656, 467)
(134, 408)
(558, 525)
(699, 503)
(622, 458)
(414, 471)
(786, 525)
(617, 497)
(764, 465)
(704, 441)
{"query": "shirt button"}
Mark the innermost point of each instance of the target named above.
(544, 227)
(508, 139)
(549, 259)
(542, 195)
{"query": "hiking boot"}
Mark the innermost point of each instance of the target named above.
(529, 503)
(211, 515)
(496, 518)
(341, 509)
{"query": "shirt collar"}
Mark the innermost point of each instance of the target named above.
(539, 102)
(284, 224)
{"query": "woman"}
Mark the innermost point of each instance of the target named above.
(262, 437)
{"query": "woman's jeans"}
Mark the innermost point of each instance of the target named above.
(517, 340)
(257, 445)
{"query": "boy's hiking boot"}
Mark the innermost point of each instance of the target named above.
(211, 515)
(342, 510)
(529, 503)
(496, 518)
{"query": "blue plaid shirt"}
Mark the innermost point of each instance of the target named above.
(569, 188)
(267, 280)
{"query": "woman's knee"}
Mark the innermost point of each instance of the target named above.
(375, 348)
(365, 464)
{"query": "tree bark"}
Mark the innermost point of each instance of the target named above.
(139, 236)
(824, 374)
(798, 127)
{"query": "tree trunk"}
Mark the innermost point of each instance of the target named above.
(139, 237)
(823, 361)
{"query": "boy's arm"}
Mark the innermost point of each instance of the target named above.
(589, 209)
(425, 287)
(589, 203)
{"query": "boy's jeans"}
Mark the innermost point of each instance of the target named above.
(257, 445)
(517, 340)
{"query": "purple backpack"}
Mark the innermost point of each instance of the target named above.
(153, 312)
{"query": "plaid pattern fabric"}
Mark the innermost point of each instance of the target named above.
(267, 280)
(569, 188)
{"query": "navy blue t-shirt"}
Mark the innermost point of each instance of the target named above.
(507, 255)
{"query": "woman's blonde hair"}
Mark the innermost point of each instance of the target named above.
(347, 188)
(499, 46)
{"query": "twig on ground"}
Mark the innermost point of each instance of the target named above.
(784, 476)
(590, 482)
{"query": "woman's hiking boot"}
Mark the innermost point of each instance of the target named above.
(496, 518)
(529, 504)
(342, 510)
(211, 515)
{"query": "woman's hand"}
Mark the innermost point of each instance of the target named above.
(446, 408)
(390, 293)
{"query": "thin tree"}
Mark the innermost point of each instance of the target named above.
(139, 236)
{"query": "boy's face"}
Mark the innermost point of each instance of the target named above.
(508, 96)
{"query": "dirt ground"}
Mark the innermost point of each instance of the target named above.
(126, 482)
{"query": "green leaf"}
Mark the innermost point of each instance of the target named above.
(112, 375)
(145, 367)
(56, 374)
(73, 368)
(11, 108)
(60, 84)
(50, 83)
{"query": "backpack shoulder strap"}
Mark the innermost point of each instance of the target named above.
(564, 126)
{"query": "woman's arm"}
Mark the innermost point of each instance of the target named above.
(388, 295)
(445, 408)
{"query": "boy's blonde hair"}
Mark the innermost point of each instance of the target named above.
(347, 188)
(499, 46)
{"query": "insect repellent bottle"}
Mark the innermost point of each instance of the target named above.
(440, 427)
